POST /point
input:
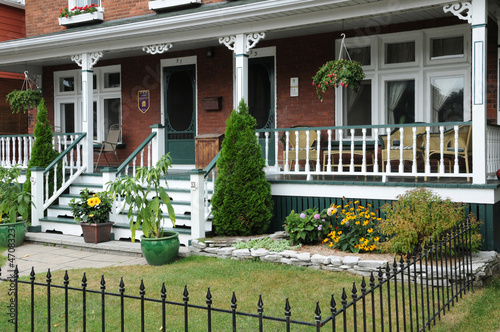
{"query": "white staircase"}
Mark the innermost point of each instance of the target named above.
(60, 220)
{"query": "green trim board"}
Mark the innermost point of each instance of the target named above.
(489, 214)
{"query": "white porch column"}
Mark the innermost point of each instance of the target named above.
(479, 101)
(158, 143)
(87, 61)
(476, 13)
(241, 44)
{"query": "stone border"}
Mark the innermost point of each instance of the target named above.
(484, 264)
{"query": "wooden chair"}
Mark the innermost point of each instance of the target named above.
(109, 145)
(463, 142)
(406, 143)
(302, 147)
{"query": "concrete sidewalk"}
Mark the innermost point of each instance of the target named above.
(42, 257)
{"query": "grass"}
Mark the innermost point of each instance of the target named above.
(302, 286)
(477, 312)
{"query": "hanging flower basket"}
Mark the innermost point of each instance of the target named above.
(338, 73)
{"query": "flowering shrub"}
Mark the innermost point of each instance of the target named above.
(92, 207)
(66, 12)
(353, 228)
(344, 73)
(307, 227)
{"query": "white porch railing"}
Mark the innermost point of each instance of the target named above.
(47, 184)
(406, 150)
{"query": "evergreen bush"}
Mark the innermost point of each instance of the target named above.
(242, 202)
(42, 153)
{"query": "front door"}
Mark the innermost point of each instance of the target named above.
(180, 113)
(261, 98)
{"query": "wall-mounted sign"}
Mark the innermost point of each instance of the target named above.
(143, 100)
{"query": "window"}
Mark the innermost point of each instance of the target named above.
(106, 106)
(446, 47)
(447, 97)
(399, 52)
(83, 3)
(357, 106)
(400, 101)
(360, 54)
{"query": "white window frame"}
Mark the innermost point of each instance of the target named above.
(447, 32)
(415, 37)
(421, 70)
(72, 4)
(99, 95)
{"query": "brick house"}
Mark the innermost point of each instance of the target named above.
(431, 68)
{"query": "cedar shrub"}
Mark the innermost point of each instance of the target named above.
(242, 202)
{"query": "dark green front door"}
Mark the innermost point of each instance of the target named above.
(261, 99)
(180, 113)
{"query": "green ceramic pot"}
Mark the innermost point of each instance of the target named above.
(161, 251)
(12, 234)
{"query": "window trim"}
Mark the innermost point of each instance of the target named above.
(447, 32)
(414, 36)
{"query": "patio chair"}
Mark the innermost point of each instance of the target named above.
(109, 145)
(407, 143)
(464, 146)
(313, 156)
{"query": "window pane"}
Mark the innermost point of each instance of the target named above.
(361, 55)
(68, 118)
(95, 120)
(83, 3)
(66, 84)
(447, 99)
(447, 46)
(400, 101)
(259, 92)
(400, 52)
(112, 113)
(111, 80)
(357, 107)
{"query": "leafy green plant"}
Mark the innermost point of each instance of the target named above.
(14, 201)
(43, 153)
(418, 216)
(145, 196)
(267, 243)
(308, 227)
(335, 73)
(353, 228)
(92, 208)
(242, 202)
(22, 100)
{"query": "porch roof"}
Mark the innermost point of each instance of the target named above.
(202, 26)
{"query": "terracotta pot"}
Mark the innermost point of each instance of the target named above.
(161, 251)
(96, 233)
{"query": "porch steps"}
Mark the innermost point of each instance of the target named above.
(60, 219)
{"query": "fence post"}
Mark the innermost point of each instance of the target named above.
(158, 142)
(37, 198)
(197, 203)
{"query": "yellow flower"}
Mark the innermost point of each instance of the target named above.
(340, 232)
(369, 205)
(373, 213)
(376, 239)
(357, 222)
(336, 240)
(379, 219)
(370, 230)
(331, 244)
(356, 202)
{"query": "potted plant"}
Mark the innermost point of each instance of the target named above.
(15, 204)
(22, 100)
(77, 15)
(92, 212)
(145, 197)
(338, 73)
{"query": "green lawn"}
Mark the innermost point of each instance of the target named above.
(302, 286)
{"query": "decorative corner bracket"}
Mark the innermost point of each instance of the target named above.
(249, 41)
(92, 59)
(157, 48)
(228, 41)
(462, 10)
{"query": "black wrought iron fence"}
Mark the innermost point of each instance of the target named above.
(407, 295)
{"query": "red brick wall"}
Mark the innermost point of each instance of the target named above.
(42, 15)
(11, 124)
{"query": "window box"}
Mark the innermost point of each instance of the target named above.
(94, 17)
(159, 5)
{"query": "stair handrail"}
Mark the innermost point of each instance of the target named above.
(209, 169)
(75, 168)
(133, 156)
